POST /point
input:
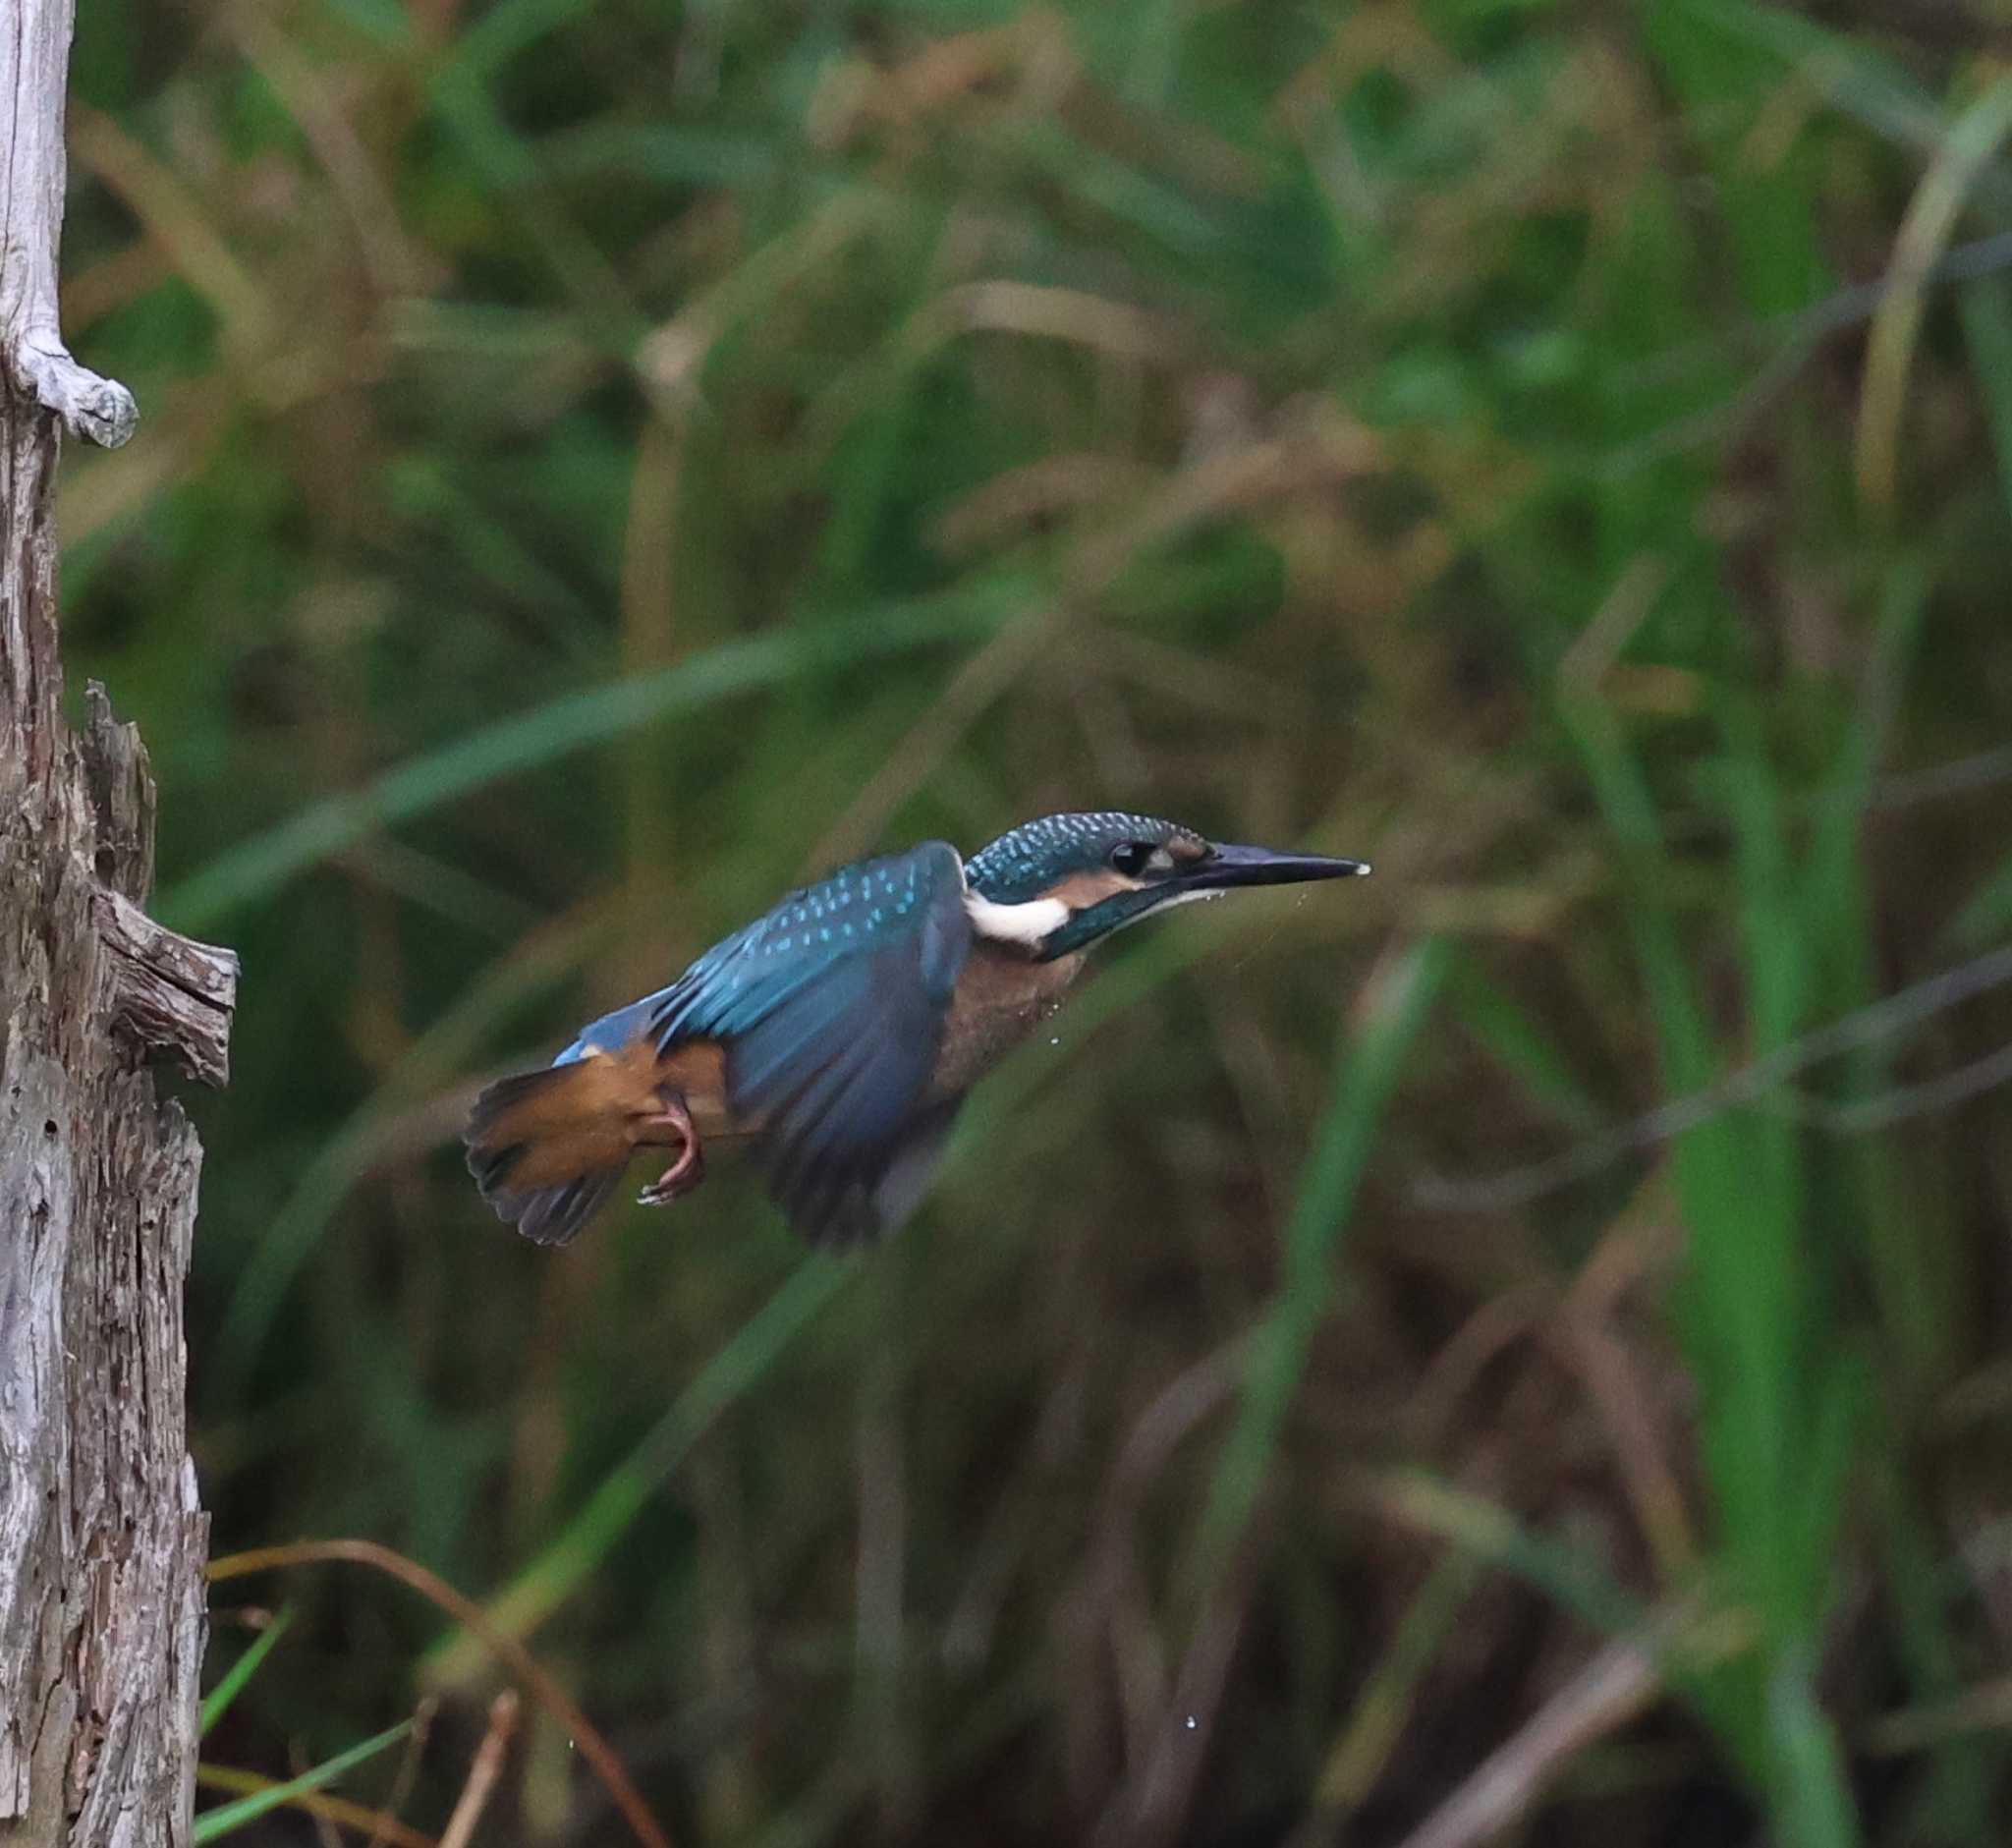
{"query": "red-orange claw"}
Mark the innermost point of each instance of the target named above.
(685, 1173)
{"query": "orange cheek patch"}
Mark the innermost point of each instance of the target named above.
(1081, 890)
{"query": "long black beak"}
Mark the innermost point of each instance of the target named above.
(1231, 867)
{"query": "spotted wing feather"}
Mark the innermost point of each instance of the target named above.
(831, 1009)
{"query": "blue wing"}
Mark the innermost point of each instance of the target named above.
(831, 1011)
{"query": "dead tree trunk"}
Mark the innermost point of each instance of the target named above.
(101, 1536)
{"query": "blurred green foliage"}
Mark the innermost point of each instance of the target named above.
(601, 463)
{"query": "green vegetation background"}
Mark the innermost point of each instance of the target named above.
(601, 463)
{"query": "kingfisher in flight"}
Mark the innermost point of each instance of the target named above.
(839, 1032)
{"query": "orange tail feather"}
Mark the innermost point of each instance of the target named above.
(547, 1149)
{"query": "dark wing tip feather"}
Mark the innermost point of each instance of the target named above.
(502, 1095)
(859, 1200)
(555, 1215)
(491, 1166)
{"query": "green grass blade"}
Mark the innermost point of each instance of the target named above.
(1985, 309)
(229, 1817)
(1484, 1530)
(1764, 204)
(1812, 1798)
(1370, 1071)
(217, 1702)
(1986, 914)
(1518, 1044)
(432, 1059)
(1955, 1801)
(588, 1538)
(256, 869)
(1376, 1721)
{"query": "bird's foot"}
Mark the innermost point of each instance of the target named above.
(685, 1173)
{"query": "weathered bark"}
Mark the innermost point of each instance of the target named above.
(101, 1537)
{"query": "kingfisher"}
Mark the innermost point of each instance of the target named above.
(839, 1032)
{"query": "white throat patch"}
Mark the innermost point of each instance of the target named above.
(1030, 924)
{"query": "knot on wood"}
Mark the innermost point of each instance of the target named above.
(169, 992)
(100, 409)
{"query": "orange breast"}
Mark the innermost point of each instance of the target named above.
(1001, 998)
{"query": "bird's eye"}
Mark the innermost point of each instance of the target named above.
(1131, 858)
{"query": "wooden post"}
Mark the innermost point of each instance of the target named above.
(101, 1536)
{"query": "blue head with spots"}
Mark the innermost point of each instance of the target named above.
(1038, 856)
(1109, 868)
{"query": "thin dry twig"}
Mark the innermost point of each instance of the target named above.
(1604, 1696)
(594, 1748)
(483, 1772)
(396, 266)
(1797, 338)
(1150, 1805)
(970, 694)
(1139, 1652)
(1589, 1339)
(1897, 1104)
(1619, 1683)
(1750, 1084)
(325, 1832)
(1983, 1708)
(407, 1769)
(382, 1827)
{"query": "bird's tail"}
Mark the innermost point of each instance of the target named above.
(548, 1148)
